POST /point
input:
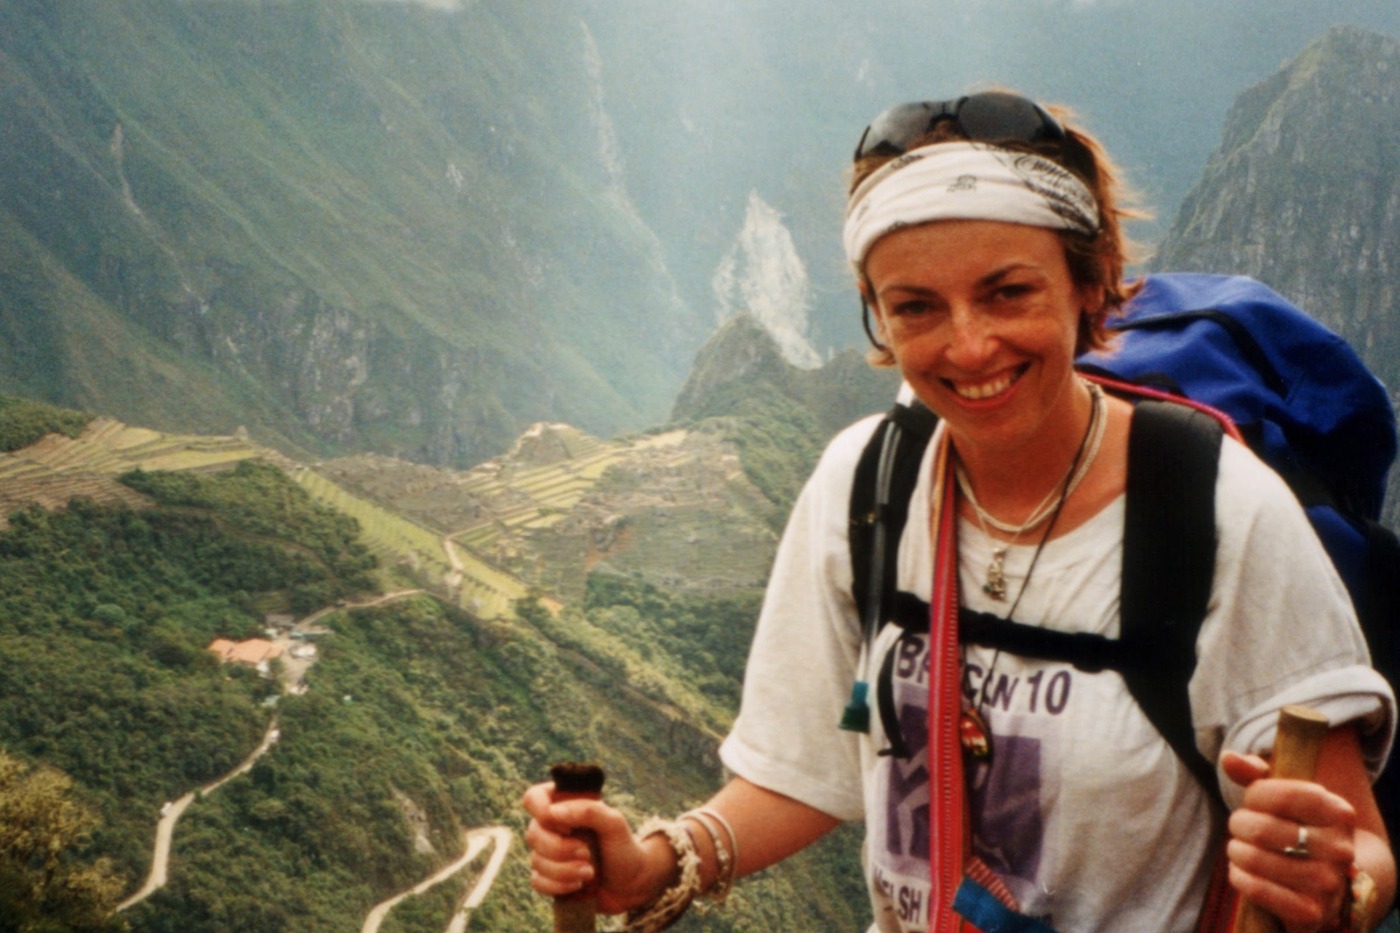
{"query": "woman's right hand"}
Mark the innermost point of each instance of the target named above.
(632, 872)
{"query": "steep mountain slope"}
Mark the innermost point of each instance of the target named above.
(1304, 194)
(742, 363)
(344, 225)
(738, 97)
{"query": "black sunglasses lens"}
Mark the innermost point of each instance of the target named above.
(995, 116)
(988, 117)
(892, 131)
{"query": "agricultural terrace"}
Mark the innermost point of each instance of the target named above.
(533, 497)
(56, 469)
(476, 585)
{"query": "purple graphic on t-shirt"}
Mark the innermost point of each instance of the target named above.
(1007, 827)
(906, 827)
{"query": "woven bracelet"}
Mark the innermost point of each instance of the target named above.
(675, 900)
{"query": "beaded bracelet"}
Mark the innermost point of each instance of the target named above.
(726, 855)
(675, 900)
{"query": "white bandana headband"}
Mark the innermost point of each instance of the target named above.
(965, 181)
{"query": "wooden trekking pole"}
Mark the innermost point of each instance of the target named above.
(1296, 749)
(577, 913)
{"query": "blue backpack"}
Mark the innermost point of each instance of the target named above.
(1298, 395)
(1301, 397)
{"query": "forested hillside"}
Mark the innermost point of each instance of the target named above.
(417, 722)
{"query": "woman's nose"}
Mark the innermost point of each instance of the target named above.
(970, 341)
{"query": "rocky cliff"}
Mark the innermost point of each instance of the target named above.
(1304, 194)
(743, 363)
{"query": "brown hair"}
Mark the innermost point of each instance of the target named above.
(1095, 261)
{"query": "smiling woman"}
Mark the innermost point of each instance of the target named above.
(1004, 791)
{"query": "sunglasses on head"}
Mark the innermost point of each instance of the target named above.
(991, 117)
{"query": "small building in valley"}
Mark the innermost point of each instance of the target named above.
(254, 652)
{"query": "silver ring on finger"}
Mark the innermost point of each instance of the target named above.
(1299, 849)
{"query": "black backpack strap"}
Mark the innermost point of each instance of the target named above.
(1169, 545)
(1168, 569)
(884, 481)
(1088, 651)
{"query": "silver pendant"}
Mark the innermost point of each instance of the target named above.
(995, 587)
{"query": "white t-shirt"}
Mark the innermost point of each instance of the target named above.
(1082, 798)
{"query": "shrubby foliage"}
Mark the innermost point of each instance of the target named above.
(105, 615)
(777, 437)
(46, 882)
(257, 500)
(22, 422)
(702, 641)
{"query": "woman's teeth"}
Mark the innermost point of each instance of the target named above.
(984, 389)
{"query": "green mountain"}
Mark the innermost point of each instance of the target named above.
(417, 227)
(342, 225)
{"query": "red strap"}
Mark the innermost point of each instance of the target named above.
(949, 837)
(1222, 901)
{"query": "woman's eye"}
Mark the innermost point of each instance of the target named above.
(911, 308)
(1012, 292)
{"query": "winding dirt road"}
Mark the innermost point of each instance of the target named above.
(171, 813)
(477, 839)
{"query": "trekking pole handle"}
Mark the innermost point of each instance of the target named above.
(577, 913)
(1297, 747)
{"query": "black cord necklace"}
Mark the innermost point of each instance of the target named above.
(973, 732)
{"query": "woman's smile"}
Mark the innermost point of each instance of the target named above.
(986, 389)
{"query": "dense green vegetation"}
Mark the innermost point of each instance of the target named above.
(420, 721)
(258, 504)
(777, 438)
(778, 445)
(44, 882)
(22, 422)
(778, 416)
(704, 641)
(105, 615)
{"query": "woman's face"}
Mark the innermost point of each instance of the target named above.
(982, 318)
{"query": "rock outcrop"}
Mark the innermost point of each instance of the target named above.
(1304, 194)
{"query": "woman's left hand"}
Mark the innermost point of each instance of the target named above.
(1292, 845)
